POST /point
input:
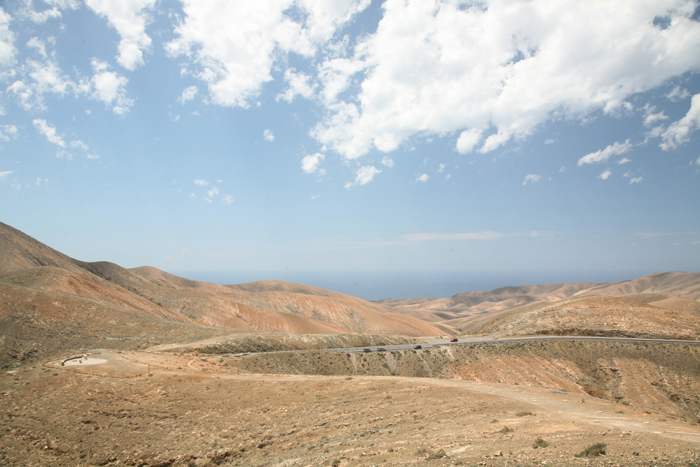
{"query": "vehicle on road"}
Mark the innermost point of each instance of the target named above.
(381, 349)
(454, 339)
(367, 350)
(418, 347)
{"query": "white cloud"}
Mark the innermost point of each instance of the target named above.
(423, 237)
(7, 132)
(213, 192)
(299, 85)
(39, 45)
(4, 174)
(63, 154)
(79, 144)
(495, 141)
(315, 196)
(364, 175)
(310, 163)
(422, 178)
(443, 66)
(335, 75)
(441, 168)
(624, 160)
(651, 117)
(64, 4)
(201, 182)
(603, 155)
(129, 18)
(235, 62)
(40, 180)
(49, 132)
(37, 78)
(697, 162)
(468, 140)
(605, 174)
(679, 132)
(387, 161)
(636, 180)
(268, 135)
(531, 178)
(678, 94)
(38, 17)
(110, 88)
(549, 141)
(7, 38)
(188, 94)
(227, 199)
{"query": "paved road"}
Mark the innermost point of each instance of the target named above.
(492, 340)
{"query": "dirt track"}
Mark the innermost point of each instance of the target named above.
(568, 406)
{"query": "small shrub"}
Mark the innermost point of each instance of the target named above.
(505, 429)
(540, 443)
(594, 450)
(522, 414)
(335, 463)
(437, 455)
(421, 451)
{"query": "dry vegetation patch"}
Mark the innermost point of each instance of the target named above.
(199, 419)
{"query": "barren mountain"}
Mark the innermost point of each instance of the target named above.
(472, 310)
(596, 316)
(46, 293)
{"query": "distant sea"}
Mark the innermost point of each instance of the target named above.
(381, 285)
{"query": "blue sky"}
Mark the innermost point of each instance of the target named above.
(313, 139)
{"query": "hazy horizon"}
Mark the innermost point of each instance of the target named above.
(400, 284)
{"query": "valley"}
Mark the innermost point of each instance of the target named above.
(102, 365)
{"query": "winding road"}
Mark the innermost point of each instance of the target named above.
(435, 343)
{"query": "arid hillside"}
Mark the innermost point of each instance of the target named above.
(599, 316)
(663, 378)
(499, 405)
(50, 302)
(473, 312)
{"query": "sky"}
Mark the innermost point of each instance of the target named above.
(380, 148)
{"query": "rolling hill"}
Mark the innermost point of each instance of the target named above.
(470, 312)
(50, 302)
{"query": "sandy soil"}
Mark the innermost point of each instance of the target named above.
(149, 409)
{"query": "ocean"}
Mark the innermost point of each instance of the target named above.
(381, 285)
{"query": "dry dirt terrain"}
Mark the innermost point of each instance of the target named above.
(155, 409)
(101, 365)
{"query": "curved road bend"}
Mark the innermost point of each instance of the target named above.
(492, 340)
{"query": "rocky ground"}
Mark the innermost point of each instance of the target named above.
(147, 408)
